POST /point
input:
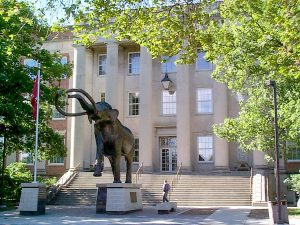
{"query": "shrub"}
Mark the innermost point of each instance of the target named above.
(15, 174)
(294, 182)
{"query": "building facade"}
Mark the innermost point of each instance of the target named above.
(171, 127)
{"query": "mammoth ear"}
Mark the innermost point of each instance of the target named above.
(113, 114)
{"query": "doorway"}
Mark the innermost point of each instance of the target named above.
(168, 153)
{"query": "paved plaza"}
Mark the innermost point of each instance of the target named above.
(183, 215)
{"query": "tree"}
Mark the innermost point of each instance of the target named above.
(22, 34)
(248, 41)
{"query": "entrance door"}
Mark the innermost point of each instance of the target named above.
(168, 154)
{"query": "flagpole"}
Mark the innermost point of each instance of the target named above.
(37, 124)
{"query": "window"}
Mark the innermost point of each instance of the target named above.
(30, 63)
(168, 103)
(64, 61)
(102, 96)
(293, 152)
(201, 63)
(57, 160)
(169, 66)
(102, 65)
(26, 157)
(136, 150)
(205, 148)
(134, 63)
(57, 115)
(133, 104)
(204, 100)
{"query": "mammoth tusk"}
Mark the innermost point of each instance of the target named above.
(58, 94)
(86, 95)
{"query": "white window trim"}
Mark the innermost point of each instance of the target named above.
(58, 119)
(212, 103)
(162, 103)
(169, 72)
(291, 160)
(213, 148)
(64, 76)
(101, 75)
(133, 74)
(199, 69)
(137, 163)
(128, 115)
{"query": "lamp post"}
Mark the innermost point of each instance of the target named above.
(271, 83)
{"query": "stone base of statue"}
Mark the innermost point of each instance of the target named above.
(33, 199)
(118, 198)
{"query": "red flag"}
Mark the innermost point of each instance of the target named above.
(34, 97)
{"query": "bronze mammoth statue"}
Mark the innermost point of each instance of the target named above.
(113, 140)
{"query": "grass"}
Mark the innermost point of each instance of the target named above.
(294, 212)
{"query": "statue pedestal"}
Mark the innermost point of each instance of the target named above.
(33, 199)
(118, 198)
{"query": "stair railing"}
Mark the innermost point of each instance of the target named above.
(64, 181)
(175, 180)
(251, 182)
(139, 172)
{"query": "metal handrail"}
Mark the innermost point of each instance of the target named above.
(251, 181)
(175, 180)
(139, 172)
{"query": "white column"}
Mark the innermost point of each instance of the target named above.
(259, 161)
(112, 82)
(220, 112)
(183, 116)
(146, 120)
(80, 141)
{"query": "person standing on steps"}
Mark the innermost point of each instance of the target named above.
(166, 189)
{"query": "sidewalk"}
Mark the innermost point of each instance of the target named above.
(87, 215)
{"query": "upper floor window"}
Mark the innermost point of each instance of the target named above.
(31, 63)
(134, 63)
(136, 150)
(102, 65)
(102, 96)
(133, 104)
(205, 148)
(293, 151)
(57, 115)
(169, 66)
(201, 63)
(168, 103)
(64, 61)
(26, 157)
(204, 100)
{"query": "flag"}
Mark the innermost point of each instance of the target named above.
(34, 97)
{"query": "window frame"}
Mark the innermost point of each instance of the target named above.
(212, 148)
(57, 118)
(162, 103)
(64, 76)
(128, 64)
(198, 101)
(62, 133)
(169, 69)
(102, 97)
(297, 149)
(29, 155)
(136, 150)
(134, 104)
(105, 66)
(198, 68)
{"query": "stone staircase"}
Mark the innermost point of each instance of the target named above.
(192, 190)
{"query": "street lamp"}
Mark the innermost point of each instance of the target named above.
(166, 82)
(271, 83)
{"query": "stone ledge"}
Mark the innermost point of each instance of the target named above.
(166, 207)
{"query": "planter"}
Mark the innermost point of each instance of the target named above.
(273, 212)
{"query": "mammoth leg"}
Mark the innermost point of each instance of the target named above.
(128, 170)
(112, 165)
(99, 164)
(116, 169)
